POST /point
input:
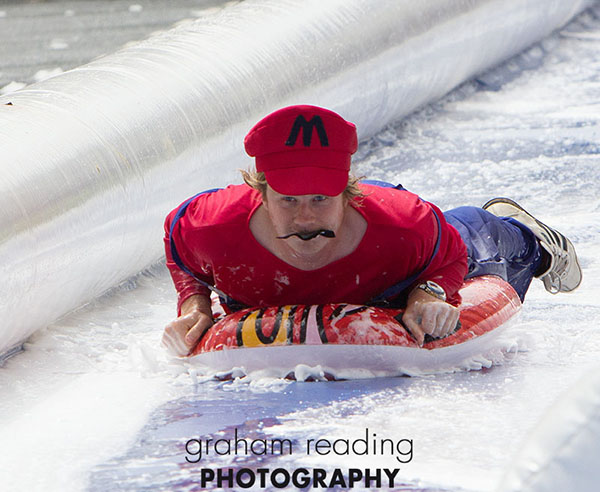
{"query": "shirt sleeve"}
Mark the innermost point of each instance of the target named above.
(185, 285)
(449, 266)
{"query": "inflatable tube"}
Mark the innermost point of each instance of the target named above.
(345, 341)
(563, 450)
(92, 159)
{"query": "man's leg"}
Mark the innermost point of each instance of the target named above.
(498, 246)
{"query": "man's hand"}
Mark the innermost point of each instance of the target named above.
(182, 334)
(426, 314)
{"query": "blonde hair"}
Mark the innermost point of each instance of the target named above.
(257, 180)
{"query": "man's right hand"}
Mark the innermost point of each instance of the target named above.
(182, 334)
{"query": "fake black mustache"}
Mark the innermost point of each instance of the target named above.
(307, 236)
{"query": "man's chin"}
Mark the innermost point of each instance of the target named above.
(306, 249)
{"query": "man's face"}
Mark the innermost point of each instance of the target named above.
(304, 214)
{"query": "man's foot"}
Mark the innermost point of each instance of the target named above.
(563, 273)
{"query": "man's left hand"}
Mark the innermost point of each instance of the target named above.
(426, 314)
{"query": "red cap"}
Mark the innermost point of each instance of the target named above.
(303, 150)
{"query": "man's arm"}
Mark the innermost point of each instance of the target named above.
(449, 266)
(185, 285)
(193, 305)
(426, 313)
(182, 334)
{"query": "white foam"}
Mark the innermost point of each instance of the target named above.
(82, 423)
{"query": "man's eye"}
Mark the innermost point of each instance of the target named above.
(320, 198)
(290, 199)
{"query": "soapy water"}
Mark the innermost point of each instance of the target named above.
(94, 402)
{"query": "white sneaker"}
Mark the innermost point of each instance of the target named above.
(564, 272)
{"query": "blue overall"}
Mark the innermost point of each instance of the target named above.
(497, 246)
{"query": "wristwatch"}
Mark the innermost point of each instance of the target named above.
(433, 289)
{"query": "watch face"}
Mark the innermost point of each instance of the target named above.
(435, 290)
(435, 287)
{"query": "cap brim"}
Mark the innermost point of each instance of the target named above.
(307, 180)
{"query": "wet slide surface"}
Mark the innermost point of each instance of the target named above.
(93, 403)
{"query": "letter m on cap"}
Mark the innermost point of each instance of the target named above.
(307, 130)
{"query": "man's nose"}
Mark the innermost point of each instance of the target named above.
(305, 214)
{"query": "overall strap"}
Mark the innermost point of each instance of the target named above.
(224, 298)
(383, 299)
(382, 184)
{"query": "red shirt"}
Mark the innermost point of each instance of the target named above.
(214, 241)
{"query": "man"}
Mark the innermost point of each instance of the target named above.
(302, 230)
